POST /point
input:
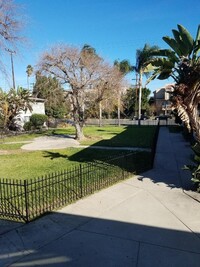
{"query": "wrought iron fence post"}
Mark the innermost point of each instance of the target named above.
(26, 201)
(81, 181)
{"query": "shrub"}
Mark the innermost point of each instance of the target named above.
(38, 120)
(28, 126)
(195, 168)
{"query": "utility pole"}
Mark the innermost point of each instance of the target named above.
(136, 86)
(12, 65)
(136, 94)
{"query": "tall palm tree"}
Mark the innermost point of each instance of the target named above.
(124, 67)
(143, 67)
(182, 63)
(29, 71)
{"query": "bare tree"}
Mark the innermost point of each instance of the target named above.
(106, 95)
(11, 24)
(83, 72)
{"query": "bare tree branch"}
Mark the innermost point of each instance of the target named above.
(88, 76)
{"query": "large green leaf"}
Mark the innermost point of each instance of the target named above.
(183, 46)
(162, 63)
(177, 35)
(173, 44)
(197, 44)
(165, 53)
(163, 68)
(186, 38)
(153, 76)
(198, 34)
(164, 75)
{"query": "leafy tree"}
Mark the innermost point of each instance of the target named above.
(11, 24)
(83, 72)
(11, 104)
(130, 101)
(49, 88)
(124, 66)
(182, 63)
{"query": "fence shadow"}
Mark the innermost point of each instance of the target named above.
(172, 155)
(73, 240)
(116, 146)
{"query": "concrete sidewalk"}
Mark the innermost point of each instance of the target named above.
(144, 221)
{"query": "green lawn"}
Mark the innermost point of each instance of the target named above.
(133, 136)
(21, 164)
(20, 137)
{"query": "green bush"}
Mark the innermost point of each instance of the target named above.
(28, 126)
(38, 120)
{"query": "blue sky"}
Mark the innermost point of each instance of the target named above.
(115, 28)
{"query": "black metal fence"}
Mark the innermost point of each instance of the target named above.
(28, 199)
(25, 200)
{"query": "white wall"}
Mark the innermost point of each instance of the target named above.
(37, 108)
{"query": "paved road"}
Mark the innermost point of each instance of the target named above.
(146, 221)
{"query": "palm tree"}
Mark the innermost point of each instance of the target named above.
(29, 71)
(182, 63)
(143, 66)
(124, 67)
(11, 104)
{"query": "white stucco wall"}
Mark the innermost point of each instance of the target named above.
(37, 108)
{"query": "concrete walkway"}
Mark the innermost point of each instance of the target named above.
(148, 220)
(55, 142)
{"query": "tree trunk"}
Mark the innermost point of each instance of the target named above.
(77, 115)
(100, 114)
(79, 132)
(118, 110)
(192, 102)
(140, 98)
(188, 110)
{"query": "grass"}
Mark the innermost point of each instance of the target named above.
(10, 146)
(28, 165)
(132, 136)
(21, 137)
(19, 164)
